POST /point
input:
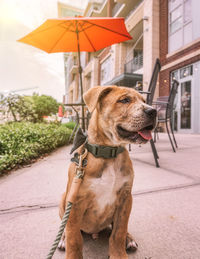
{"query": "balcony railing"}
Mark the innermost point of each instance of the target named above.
(134, 64)
(133, 9)
(116, 8)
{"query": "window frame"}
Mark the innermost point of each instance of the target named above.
(183, 25)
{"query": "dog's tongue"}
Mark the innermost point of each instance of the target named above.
(146, 134)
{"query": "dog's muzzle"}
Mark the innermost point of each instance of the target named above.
(143, 134)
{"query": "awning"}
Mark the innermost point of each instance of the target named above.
(125, 79)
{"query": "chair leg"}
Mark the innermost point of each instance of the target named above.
(172, 131)
(155, 154)
(73, 132)
(170, 136)
(156, 133)
(154, 137)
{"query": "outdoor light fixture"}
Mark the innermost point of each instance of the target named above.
(145, 18)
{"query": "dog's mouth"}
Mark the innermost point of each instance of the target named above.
(144, 133)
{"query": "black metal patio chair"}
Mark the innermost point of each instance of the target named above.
(165, 110)
(149, 100)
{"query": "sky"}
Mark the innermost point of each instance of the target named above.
(23, 66)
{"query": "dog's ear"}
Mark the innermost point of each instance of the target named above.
(94, 94)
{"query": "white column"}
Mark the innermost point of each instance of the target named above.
(150, 40)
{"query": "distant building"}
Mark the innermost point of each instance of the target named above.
(180, 59)
(123, 64)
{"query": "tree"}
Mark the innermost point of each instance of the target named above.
(28, 108)
(44, 105)
(8, 106)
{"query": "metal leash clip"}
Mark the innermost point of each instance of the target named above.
(78, 178)
(80, 169)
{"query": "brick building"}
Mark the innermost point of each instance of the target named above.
(180, 59)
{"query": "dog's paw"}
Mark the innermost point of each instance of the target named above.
(61, 245)
(131, 245)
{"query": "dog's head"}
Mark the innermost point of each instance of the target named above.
(122, 114)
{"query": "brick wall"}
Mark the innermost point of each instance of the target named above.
(163, 30)
(164, 80)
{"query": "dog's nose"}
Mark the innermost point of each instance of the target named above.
(151, 112)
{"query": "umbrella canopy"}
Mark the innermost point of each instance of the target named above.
(77, 34)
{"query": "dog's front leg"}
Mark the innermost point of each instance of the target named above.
(74, 242)
(117, 241)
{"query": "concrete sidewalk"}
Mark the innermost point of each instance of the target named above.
(165, 218)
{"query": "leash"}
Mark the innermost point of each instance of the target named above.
(81, 162)
(70, 200)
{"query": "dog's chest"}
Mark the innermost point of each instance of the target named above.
(106, 187)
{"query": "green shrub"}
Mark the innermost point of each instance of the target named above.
(69, 125)
(20, 143)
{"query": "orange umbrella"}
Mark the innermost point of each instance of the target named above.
(78, 34)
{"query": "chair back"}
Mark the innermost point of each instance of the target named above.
(153, 81)
(172, 96)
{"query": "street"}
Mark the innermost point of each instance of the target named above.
(165, 217)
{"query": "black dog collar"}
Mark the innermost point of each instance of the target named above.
(97, 150)
(104, 151)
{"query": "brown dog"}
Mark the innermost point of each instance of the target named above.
(119, 117)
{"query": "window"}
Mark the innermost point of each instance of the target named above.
(88, 81)
(176, 19)
(174, 75)
(187, 11)
(174, 3)
(106, 70)
(186, 105)
(186, 71)
(180, 23)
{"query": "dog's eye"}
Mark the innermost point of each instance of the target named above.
(125, 100)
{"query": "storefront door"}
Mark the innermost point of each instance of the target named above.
(187, 115)
(185, 105)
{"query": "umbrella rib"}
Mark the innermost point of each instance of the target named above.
(88, 25)
(67, 27)
(100, 26)
(88, 38)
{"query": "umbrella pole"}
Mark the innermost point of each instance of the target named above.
(82, 102)
(81, 83)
